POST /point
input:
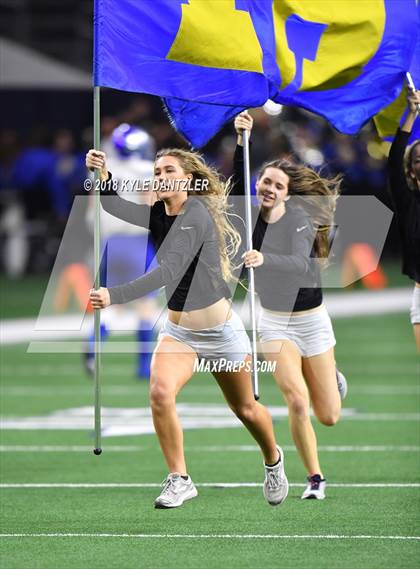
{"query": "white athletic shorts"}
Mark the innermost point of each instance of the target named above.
(228, 341)
(312, 332)
(415, 306)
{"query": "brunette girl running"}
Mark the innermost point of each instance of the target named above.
(296, 211)
(404, 178)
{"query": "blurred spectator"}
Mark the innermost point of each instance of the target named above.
(13, 245)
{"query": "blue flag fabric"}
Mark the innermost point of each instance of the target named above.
(210, 59)
(394, 115)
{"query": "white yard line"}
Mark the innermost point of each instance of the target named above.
(207, 536)
(205, 449)
(389, 417)
(121, 421)
(202, 485)
(137, 423)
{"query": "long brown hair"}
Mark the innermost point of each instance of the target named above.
(215, 197)
(309, 186)
(408, 159)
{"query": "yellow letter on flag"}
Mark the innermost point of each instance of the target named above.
(213, 33)
(352, 35)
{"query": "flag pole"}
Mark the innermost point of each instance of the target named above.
(412, 86)
(97, 259)
(251, 280)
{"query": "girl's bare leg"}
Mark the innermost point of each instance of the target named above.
(172, 367)
(289, 377)
(237, 389)
(319, 372)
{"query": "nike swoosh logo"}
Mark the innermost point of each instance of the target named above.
(189, 227)
(299, 229)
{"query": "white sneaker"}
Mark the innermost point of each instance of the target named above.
(315, 490)
(276, 485)
(341, 384)
(175, 491)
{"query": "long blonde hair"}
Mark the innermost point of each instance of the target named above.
(307, 184)
(215, 197)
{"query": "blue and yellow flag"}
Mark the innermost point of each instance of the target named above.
(392, 116)
(210, 59)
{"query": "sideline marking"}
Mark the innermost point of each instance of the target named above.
(232, 448)
(202, 485)
(120, 421)
(209, 536)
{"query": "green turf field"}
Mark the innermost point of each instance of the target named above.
(115, 526)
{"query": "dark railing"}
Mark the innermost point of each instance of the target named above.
(61, 29)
